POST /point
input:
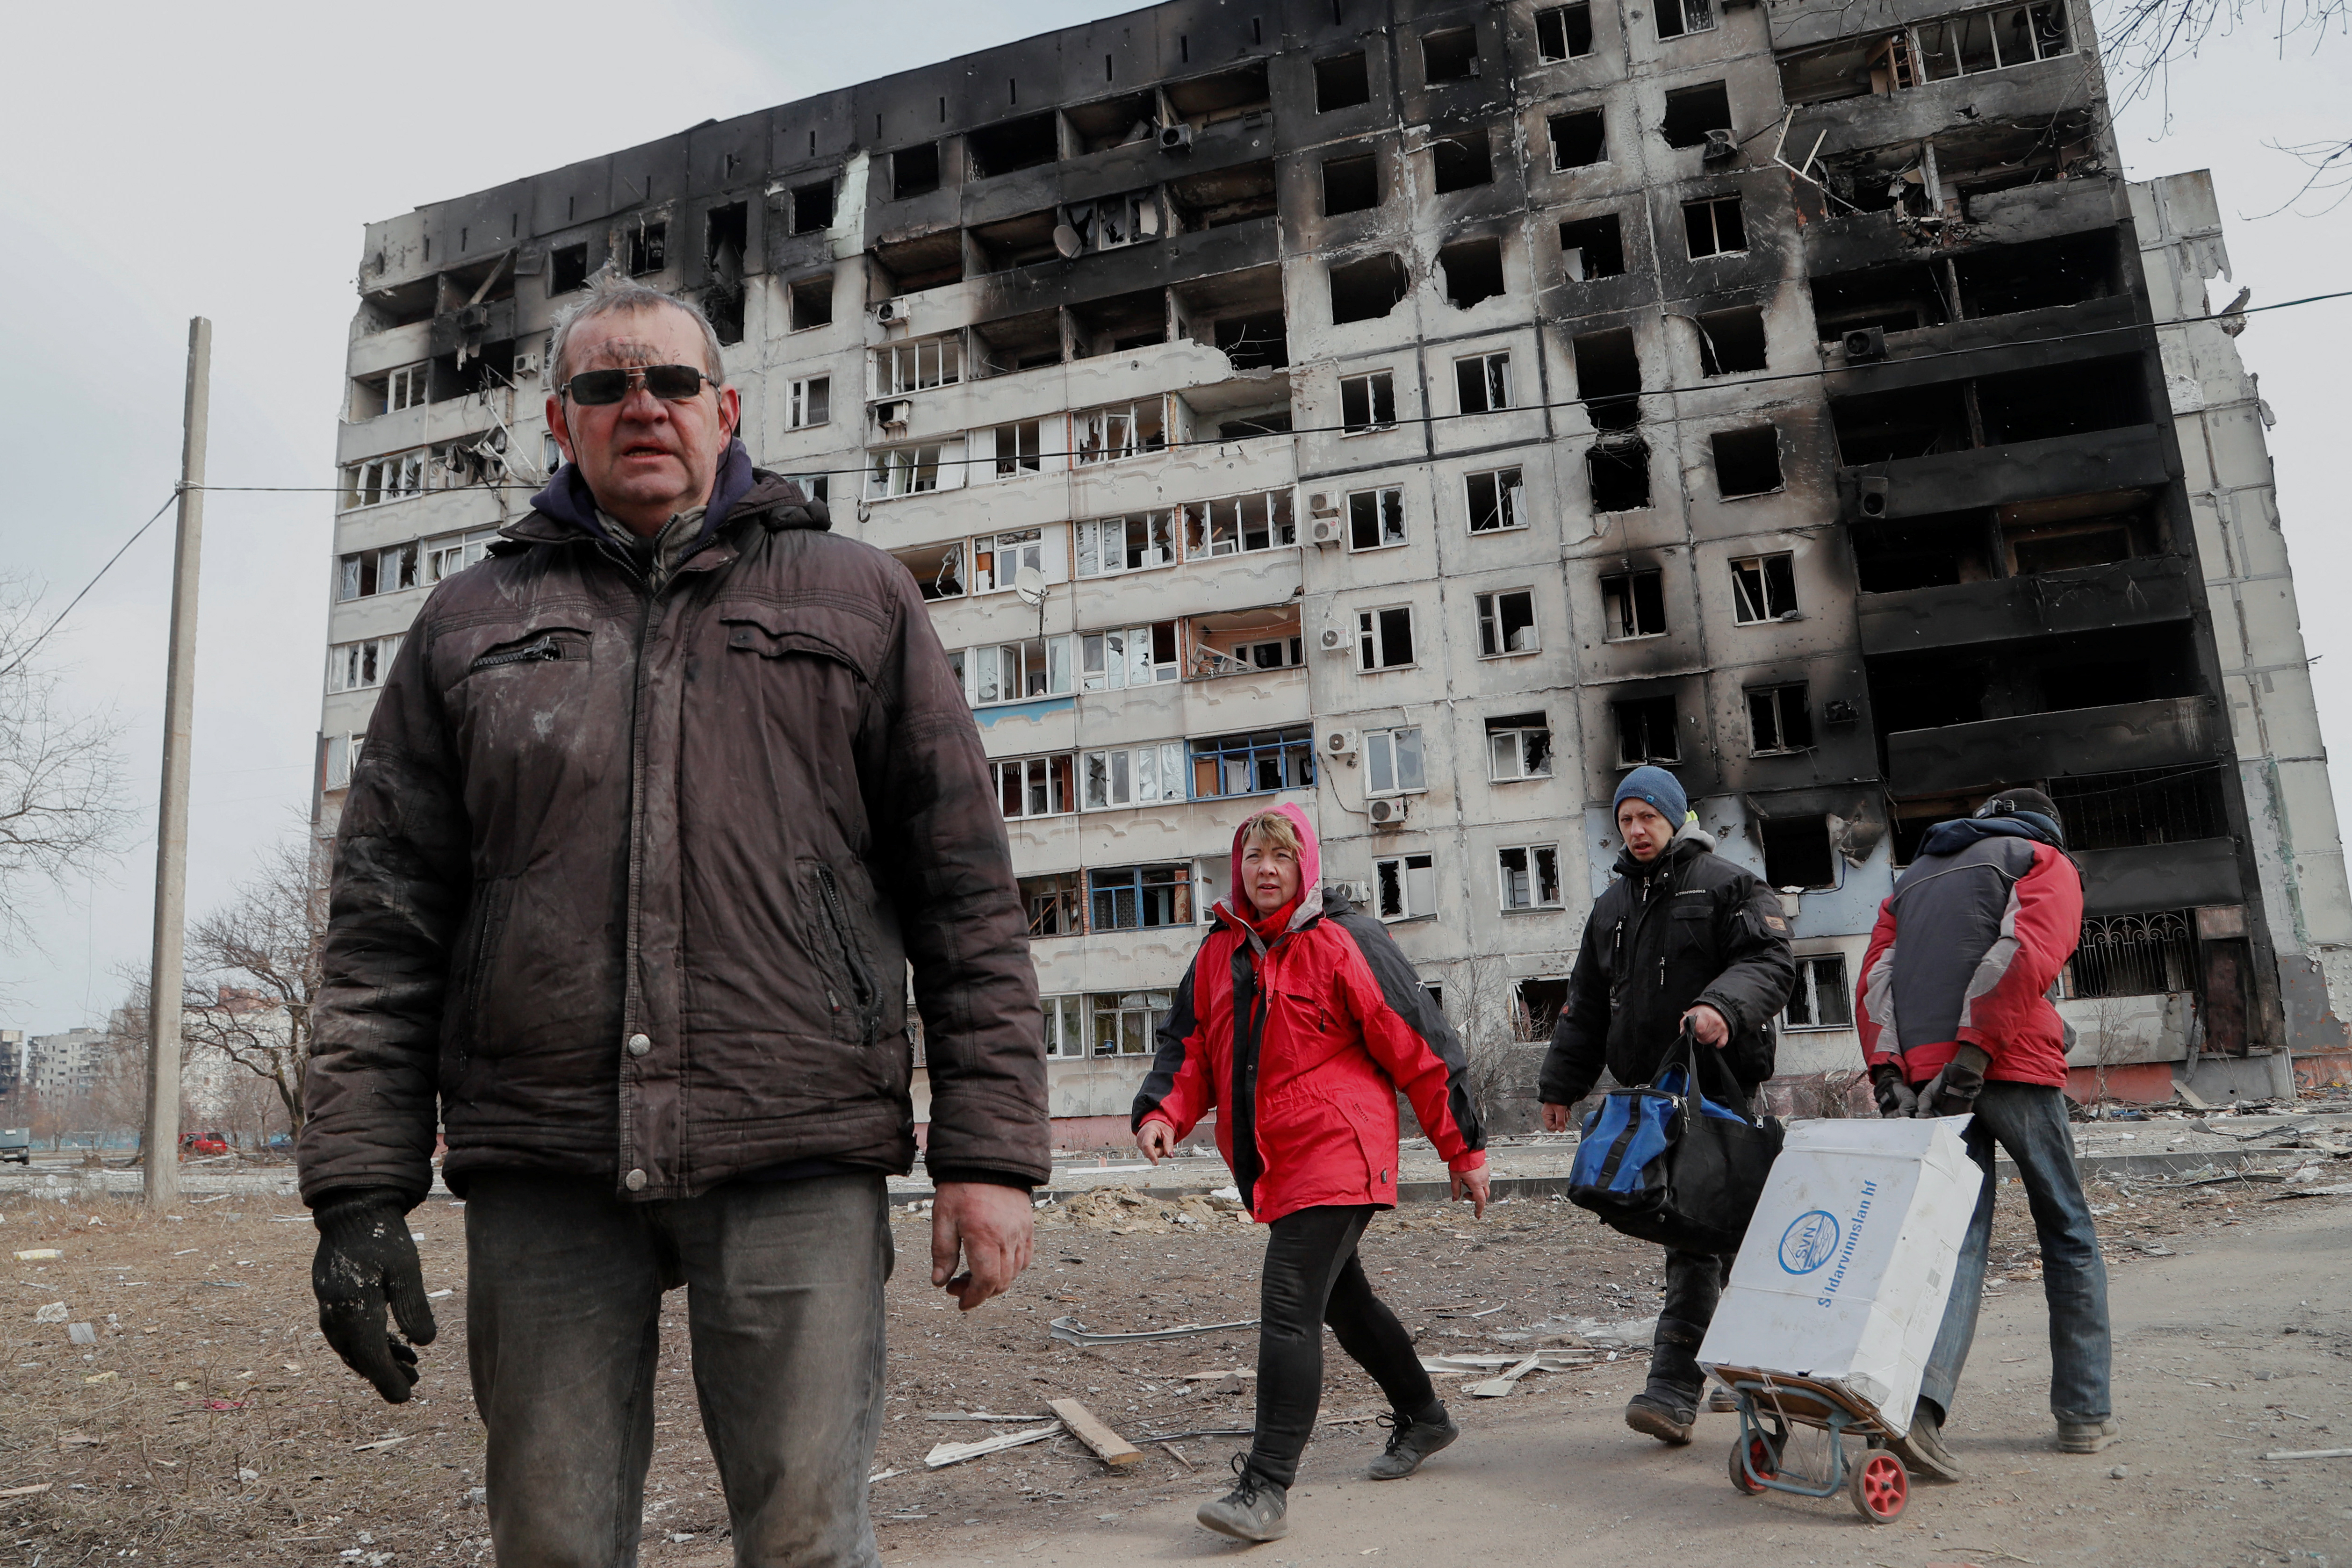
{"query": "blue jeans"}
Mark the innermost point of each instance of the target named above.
(2029, 1121)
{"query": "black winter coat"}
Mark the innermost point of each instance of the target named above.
(1689, 927)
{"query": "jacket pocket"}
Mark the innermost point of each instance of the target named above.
(838, 929)
(553, 646)
(771, 634)
(479, 945)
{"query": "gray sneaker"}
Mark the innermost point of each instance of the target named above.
(2087, 1436)
(1413, 1440)
(1253, 1511)
(1922, 1449)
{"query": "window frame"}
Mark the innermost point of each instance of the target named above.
(1152, 1010)
(1385, 750)
(1408, 907)
(1037, 773)
(1492, 380)
(900, 369)
(1127, 672)
(1560, 13)
(1617, 712)
(1379, 386)
(1372, 636)
(1629, 598)
(1488, 609)
(1777, 698)
(1198, 522)
(1744, 600)
(1506, 506)
(1290, 749)
(469, 545)
(1713, 206)
(362, 664)
(1055, 657)
(894, 473)
(1117, 444)
(1123, 772)
(1387, 506)
(1808, 988)
(1533, 856)
(1175, 893)
(805, 392)
(1517, 736)
(1086, 539)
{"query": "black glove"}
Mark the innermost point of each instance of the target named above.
(365, 1259)
(1894, 1097)
(1954, 1091)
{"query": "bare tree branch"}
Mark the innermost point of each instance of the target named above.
(255, 968)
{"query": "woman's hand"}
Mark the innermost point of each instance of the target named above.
(1474, 1186)
(1156, 1139)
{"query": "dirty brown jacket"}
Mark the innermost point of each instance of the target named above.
(629, 880)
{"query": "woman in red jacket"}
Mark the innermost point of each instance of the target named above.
(1298, 1022)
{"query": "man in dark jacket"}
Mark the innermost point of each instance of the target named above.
(1684, 936)
(657, 805)
(1954, 1011)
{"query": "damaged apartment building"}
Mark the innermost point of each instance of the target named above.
(1426, 411)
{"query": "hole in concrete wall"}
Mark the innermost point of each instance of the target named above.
(1367, 288)
(1451, 54)
(1693, 111)
(1715, 228)
(1462, 162)
(1018, 342)
(1747, 462)
(1473, 270)
(1113, 121)
(1608, 378)
(1848, 68)
(2062, 400)
(485, 369)
(567, 269)
(1011, 144)
(1239, 312)
(813, 207)
(1221, 197)
(1350, 185)
(2064, 271)
(1899, 298)
(1122, 321)
(1902, 422)
(1563, 32)
(812, 303)
(1012, 242)
(1796, 852)
(938, 569)
(1255, 342)
(405, 304)
(1341, 81)
(1578, 139)
(914, 170)
(1647, 730)
(1932, 553)
(726, 235)
(1228, 95)
(927, 261)
(1592, 247)
(648, 248)
(1731, 341)
(1619, 473)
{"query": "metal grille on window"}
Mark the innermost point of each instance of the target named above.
(2134, 955)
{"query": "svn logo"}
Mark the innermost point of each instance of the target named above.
(1809, 1242)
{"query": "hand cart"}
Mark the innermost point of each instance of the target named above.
(1770, 1403)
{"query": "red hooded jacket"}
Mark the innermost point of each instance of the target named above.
(1331, 1022)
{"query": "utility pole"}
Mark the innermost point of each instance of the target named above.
(167, 970)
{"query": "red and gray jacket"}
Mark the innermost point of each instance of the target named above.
(1966, 950)
(1301, 1043)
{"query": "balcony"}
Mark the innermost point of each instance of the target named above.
(2128, 458)
(2160, 877)
(2091, 598)
(2164, 732)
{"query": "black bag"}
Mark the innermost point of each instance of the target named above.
(1668, 1165)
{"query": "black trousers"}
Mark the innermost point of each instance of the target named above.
(1313, 1278)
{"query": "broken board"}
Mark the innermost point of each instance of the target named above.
(1090, 1429)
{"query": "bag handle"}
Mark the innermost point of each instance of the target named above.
(1687, 1051)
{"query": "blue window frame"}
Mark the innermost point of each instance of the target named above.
(1254, 763)
(1130, 898)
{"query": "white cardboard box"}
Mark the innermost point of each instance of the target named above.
(1847, 1264)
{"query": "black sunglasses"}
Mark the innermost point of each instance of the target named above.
(671, 383)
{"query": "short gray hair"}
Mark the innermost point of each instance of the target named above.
(614, 298)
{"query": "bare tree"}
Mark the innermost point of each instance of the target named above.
(61, 779)
(255, 971)
(1494, 1026)
(2111, 1017)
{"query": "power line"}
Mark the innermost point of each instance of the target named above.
(86, 587)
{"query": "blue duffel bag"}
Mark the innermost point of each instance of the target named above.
(1664, 1162)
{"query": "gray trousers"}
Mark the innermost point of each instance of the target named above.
(784, 1315)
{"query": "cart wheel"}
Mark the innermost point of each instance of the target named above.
(1753, 1452)
(1880, 1486)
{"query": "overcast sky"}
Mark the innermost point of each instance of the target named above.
(171, 161)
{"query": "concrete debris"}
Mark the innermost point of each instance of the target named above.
(957, 1453)
(1071, 1332)
(1498, 1387)
(1122, 1211)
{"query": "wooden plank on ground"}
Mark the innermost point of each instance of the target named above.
(1094, 1433)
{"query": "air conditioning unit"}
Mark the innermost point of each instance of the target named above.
(1720, 147)
(1339, 743)
(1324, 530)
(526, 363)
(1357, 893)
(1176, 138)
(1388, 811)
(893, 416)
(1323, 503)
(1870, 494)
(1863, 344)
(1331, 640)
(892, 312)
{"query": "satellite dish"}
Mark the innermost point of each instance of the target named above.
(1029, 583)
(1066, 241)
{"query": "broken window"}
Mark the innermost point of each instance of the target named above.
(1034, 786)
(1052, 904)
(1714, 227)
(938, 569)
(1903, 423)
(1016, 671)
(1496, 499)
(1375, 519)
(1121, 430)
(1247, 641)
(1763, 588)
(1229, 95)
(1239, 525)
(2061, 400)
(567, 269)
(1693, 111)
(914, 170)
(1646, 732)
(902, 471)
(1730, 342)
(1122, 656)
(1482, 383)
(390, 392)
(1896, 298)
(1450, 54)
(1341, 81)
(906, 367)
(1633, 605)
(1112, 223)
(1350, 185)
(1018, 342)
(1367, 402)
(813, 207)
(1932, 552)
(999, 559)
(1368, 289)
(648, 248)
(1392, 761)
(1462, 162)
(808, 401)
(1677, 17)
(1822, 999)
(1473, 269)
(1797, 853)
(1529, 875)
(1123, 121)
(1128, 1023)
(388, 478)
(1779, 720)
(2005, 279)
(812, 303)
(726, 235)
(1608, 378)
(1619, 475)
(1066, 1031)
(1130, 898)
(1991, 40)
(1131, 775)
(1507, 623)
(1591, 247)
(1518, 746)
(1404, 887)
(1564, 32)
(1255, 342)
(1747, 462)
(453, 552)
(816, 487)
(1014, 449)
(1023, 143)
(1579, 139)
(361, 666)
(1214, 199)
(1137, 542)
(2068, 546)
(1254, 764)
(1384, 638)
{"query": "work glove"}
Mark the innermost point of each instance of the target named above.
(366, 1259)
(1894, 1097)
(1954, 1091)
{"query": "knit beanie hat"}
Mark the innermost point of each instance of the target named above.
(2027, 803)
(1660, 789)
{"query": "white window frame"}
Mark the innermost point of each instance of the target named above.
(1118, 657)
(1201, 521)
(1051, 672)
(1780, 697)
(921, 469)
(1112, 778)
(1809, 992)
(1389, 757)
(1492, 639)
(1493, 380)
(361, 665)
(1118, 431)
(1554, 59)
(1379, 396)
(1715, 228)
(809, 402)
(1028, 775)
(380, 481)
(1920, 32)
(1513, 741)
(343, 759)
(1509, 494)
(1066, 1026)
(1752, 605)
(1371, 640)
(1620, 604)
(1102, 547)
(1011, 450)
(1533, 859)
(1386, 507)
(1414, 879)
(996, 559)
(446, 554)
(918, 365)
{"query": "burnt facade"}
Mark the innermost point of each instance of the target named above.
(1427, 412)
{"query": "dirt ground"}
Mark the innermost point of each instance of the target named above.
(208, 1424)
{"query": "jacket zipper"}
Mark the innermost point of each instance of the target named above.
(858, 981)
(546, 648)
